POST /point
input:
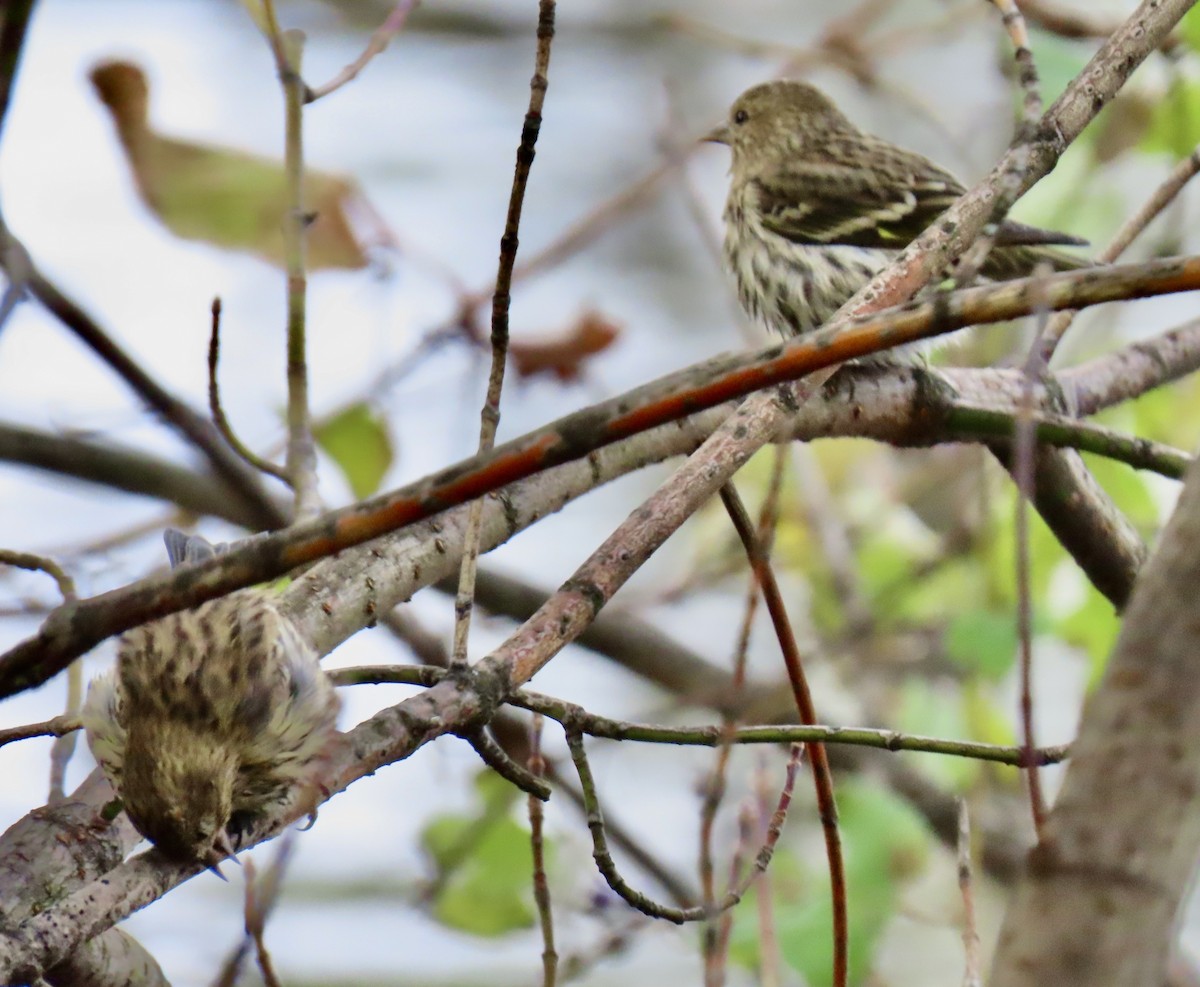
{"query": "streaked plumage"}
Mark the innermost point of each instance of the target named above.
(816, 208)
(211, 716)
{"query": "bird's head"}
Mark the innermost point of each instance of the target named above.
(779, 118)
(181, 798)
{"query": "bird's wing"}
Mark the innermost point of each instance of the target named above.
(103, 718)
(294, 731)
(827, 204)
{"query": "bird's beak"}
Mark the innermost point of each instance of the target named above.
(718, 135)
(221, 851)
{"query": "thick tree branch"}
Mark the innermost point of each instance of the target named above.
(71, 630)
(1098, 903)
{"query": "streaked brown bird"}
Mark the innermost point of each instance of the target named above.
(817, 207)
(227, 197)
(211, 717)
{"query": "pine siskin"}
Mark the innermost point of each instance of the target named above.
(816, 208)
(212, 716)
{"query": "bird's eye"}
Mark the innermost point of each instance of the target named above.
(740, 116)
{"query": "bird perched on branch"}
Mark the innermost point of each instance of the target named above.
(211, 717)
(816, 208)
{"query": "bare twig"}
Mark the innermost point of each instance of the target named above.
(593, 725)
(715, 784)
(541, 887)
(261, 896)
(971, 421)
(218, 413)
(1023, 470)
(301, 451)
(243, 483)
(393, 24)
(770, 974)
(1027, 75)
(807, 712)
(64, 745)
(604, 860)
(495, 757)
(14, 23)
(1130, 230)
(66, 633)
(972, 961)
(56, 726)
(501, 301)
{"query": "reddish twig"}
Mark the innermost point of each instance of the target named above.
(807, 712)
(74, 628)
(393, 24)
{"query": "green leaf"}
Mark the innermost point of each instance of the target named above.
(483, 864)
(1175, 125)
(937, 710)
(1189, 29)
(884, 842)
(1093, 627)
(983, 641)
(1128, 489)
(358, 440)
(1058, 60)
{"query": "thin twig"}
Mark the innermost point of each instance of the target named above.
(714, 789)
(380, 39)
(261, 897)
(39, 563)
(593, 725)
(1018, 160)
(64, 745)
(72, 629)
(1023, 474)
(14, 24)
(608, 868)
(489, 417)
(806, 710)
(218, 412)
(541, 887)
(243, 483)
(1027, 74)
(301, 450)
(972, 962)
(716, 955)
(770, 974)
(973, 421)
(1130, 230)
(56, 726)
(496, 758)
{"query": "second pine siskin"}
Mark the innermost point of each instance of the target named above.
(212, 716)
(817, 207)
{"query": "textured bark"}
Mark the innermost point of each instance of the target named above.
(1098, 903)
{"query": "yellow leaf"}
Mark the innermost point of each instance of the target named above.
(226, 197)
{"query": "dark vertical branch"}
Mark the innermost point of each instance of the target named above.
(14, 24)
(490, 414)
